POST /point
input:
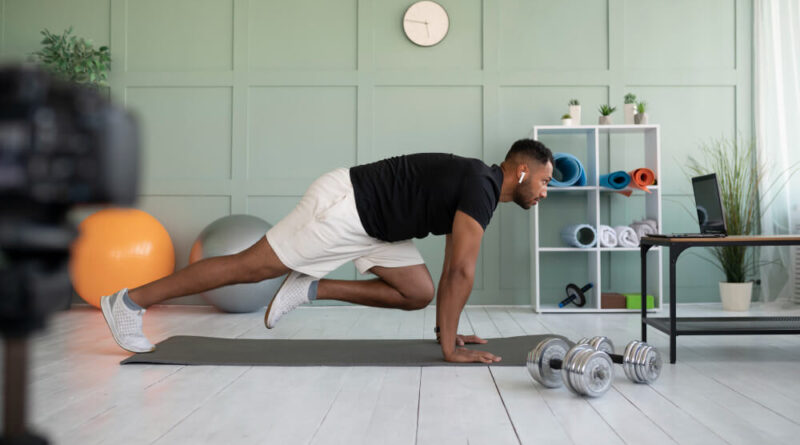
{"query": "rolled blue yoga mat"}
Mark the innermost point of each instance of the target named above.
(569, 169)
(579, 235)
(615, 180)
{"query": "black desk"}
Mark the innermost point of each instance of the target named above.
(675, 326)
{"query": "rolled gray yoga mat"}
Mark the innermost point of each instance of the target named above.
(191, 350)
(579, 235)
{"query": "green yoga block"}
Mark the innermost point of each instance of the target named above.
(634, 301)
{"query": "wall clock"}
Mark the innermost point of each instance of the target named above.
(426, 23)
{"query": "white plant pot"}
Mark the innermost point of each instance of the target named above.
(604, 120)
(575, 112)
(566, 122)
(735, 296)
(630, 112)
(640, 118)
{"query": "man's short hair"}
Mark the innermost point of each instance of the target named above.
(530, 149)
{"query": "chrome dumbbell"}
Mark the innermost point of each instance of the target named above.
(584, 370)
(641, 362)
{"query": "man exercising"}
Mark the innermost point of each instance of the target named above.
(366, 214)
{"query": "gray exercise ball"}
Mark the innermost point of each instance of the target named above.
(226, 236)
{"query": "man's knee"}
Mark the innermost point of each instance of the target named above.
(259, 262)
(419, 297)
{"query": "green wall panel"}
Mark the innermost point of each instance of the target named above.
(179, 35)
(428, 119)
(186, 132)
(546, 34)
(683, 34)
(303, 34)
(243, 103)
(300, 132)
(24, 19)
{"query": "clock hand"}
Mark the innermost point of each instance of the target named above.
(416, 21)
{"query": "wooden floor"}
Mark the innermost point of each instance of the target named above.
(724, 389)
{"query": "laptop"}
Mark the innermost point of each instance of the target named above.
(708, 203)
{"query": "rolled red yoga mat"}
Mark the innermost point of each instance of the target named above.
(641, 178)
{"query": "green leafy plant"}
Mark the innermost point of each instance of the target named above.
(630, 98)
(574, 102)
(74, 58)
(566, 116)
(739, 175)
(606, 110)
(641, 107)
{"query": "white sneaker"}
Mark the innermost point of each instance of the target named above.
(292, 293)
(125, 323)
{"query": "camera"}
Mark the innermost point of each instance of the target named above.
(61, 145)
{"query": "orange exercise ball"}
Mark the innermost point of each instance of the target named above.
(118, 248)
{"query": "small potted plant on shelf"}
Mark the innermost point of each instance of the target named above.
(641, 114)
(566, 120)
(605, 114)
(629, 108)
(575, 111)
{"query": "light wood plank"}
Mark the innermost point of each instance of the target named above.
(532, 417)
(505, 323)
(265, 405)
(375, 405)
(481, 323)
(461, 405)
(140, 413)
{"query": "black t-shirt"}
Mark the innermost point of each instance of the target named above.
(410, 196)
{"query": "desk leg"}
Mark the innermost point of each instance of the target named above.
(674, 252)
(673, 258)
(644, 248)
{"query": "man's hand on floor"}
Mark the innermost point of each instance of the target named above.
(461, 340)
(464, 355)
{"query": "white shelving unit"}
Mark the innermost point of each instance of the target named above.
(652, 159)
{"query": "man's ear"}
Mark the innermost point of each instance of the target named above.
(522, 170)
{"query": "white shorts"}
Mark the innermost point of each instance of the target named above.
(324, 231)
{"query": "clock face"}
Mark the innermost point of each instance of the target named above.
(426, 23)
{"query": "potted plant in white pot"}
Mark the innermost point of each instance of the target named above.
(739, 176)
(575, 111)
(629, 108)
(566, 120)
(641, 114)
(605, 114)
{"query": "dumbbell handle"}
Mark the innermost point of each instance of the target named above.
(616, 358)
(556, 363)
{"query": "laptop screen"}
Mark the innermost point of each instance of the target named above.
(709, 204)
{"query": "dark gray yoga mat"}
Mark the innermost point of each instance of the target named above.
(191, 350)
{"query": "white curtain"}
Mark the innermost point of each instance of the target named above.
(777, 126)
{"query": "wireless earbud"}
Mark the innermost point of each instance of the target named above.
(521, 177)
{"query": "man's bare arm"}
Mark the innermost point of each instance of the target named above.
(448, 254)
(455, 285)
